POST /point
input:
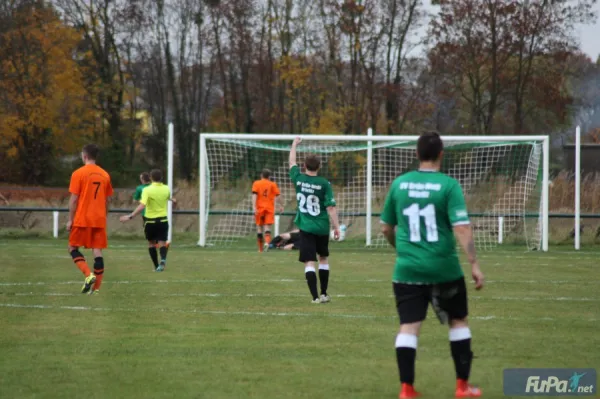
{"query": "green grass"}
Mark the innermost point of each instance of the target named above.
(238, 324)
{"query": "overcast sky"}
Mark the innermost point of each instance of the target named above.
(589, 37)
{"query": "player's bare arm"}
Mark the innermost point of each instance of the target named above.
(254, 198)
(72, 209)
(390, 233)
(332, 211)
(292, 160)
(277, 204)
(136, 211)
(464, 234)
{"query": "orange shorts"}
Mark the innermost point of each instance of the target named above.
(264, 217)
(88, 237)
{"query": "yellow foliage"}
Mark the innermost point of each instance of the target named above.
(330, 121)
(42, 88)
(345, 164)
(218, 122)
(295, 72)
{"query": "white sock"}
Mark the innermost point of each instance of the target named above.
(406, 341)
(459, 334)
(323, 267)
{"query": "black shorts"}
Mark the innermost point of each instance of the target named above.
(294, 240)
(311, 245)
(449, 301)
(156, 229)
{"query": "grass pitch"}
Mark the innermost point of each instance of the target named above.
(238, 324)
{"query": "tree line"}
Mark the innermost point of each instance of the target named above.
(73, 71)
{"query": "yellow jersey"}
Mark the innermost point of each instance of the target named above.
(156, 197)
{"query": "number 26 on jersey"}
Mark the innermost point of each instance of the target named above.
(309, 204)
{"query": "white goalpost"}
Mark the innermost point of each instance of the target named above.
(504, 179)
(170, 154)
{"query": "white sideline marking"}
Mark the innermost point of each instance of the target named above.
(248, 313)
(222, 295)
(541, 298)
(205, 294)
(282, 280)
(197, 311)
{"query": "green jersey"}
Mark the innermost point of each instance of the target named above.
(314, 196)
(137, 196)
(425, 205)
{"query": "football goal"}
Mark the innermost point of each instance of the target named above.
(504, 179)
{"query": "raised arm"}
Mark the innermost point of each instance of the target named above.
(292, 159)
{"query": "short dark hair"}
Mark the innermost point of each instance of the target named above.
(312, 162)
(145, 176)
(266, 173)
(156, 175)
(91, 150)
(429, 146)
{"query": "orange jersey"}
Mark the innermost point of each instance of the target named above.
(266, 191)
(92, 185)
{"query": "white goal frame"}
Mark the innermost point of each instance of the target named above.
(369, 138)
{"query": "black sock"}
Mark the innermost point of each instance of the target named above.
(324, 278)
(153, 256)
(98, 265)
(406, 355)
(163, 253)
(311, 280)
(461, 352)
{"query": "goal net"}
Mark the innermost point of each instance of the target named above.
(501, 178)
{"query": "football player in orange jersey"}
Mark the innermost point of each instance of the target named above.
(90, 190)
(264, 198)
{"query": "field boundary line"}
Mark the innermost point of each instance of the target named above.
(250, 313)
(281, 280)
(340, 296)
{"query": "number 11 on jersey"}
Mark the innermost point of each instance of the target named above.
(414, 215)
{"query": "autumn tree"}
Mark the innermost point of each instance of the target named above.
(499, 55)
(44, 111)
(102, 25)
(473, 44)
(542, 27)
(400, 18)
